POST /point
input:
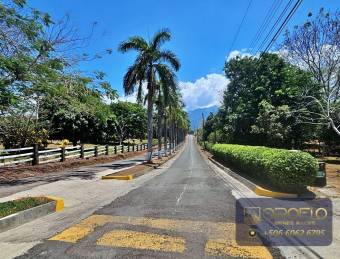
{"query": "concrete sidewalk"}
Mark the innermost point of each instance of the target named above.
(83, 192)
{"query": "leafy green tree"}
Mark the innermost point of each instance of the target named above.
(130, 121)
(273, 124)
(151, 64)
(75, 109)
(209, 125)
(260, 97)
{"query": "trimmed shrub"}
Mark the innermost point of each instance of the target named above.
(285, 170)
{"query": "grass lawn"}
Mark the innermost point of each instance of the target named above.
(11, 207)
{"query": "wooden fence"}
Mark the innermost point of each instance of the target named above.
(34, 156)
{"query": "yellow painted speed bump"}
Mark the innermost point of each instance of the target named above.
(59, 202)
(82, 229)
(142, 240)
(220, 235)
(264, 192)
(118, 177)
(220, 247)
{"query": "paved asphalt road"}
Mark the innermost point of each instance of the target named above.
(185, 212)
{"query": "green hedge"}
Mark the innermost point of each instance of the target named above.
(284, 170)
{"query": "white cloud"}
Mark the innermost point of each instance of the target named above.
(241, 53)
(204, 92)
(132, 98)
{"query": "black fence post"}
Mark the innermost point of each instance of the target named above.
(128, 148)
(95, 151)
(107, 150)
(115, 149)
(35, 160)
(122, 148)
(63, 154)
(133, 148)
(82, 151)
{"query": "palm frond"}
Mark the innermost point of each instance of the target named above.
(140, 92)
(134, 43)
(166, 76)
(160, 37)
(171, 58)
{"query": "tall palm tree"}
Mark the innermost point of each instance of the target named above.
(178, 120)
(160, 104)
(166, 92)
(151, 64)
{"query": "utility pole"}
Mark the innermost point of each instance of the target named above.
(203, 131)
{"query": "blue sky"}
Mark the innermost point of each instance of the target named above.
(202, 31)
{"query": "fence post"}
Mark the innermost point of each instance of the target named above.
(128, 148)
(122, 148)
(133, 148)
(115, 149)
(63, 154)
(107, 150)
(35, 160)
(82, 151)
(137, 147)
(95, 151)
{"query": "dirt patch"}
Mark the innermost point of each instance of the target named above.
(333, 177)
(24, 171)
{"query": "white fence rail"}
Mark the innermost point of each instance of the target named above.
(32, 155)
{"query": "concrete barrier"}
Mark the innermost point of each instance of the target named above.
(22, 217)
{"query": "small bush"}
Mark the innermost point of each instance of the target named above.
(64, 143)
(285, 170)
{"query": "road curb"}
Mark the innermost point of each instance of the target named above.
(59, 202)
(118, 177)
(17, 219)
(255, 188)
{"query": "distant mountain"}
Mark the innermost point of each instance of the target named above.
(195, 116)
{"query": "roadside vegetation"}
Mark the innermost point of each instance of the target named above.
(283, 170)
(286, 100)
(11, 207)
(44, 96)
(278, 100)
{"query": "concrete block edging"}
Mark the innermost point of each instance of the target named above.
(55, 204)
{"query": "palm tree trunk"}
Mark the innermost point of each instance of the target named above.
(173, 136)
(159, 134)
(150, 126)
(165, 136)
(170, 133)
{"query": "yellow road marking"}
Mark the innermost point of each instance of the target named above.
(220, 247)
(213, 229)
(81, 230)
(141, 240)
(59, 203)
(220, 235)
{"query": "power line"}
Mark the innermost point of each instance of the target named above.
(284, 11)
(290, 15)
(239, 27)
(266, 21)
